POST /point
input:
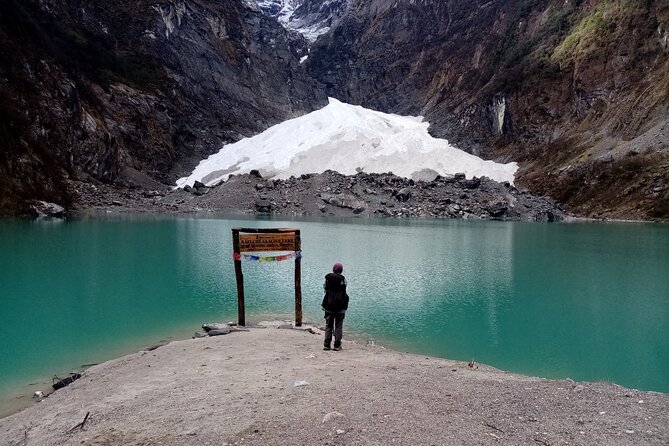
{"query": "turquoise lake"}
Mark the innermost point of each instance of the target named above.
(580, 300)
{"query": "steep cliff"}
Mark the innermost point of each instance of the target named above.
(576, 91)
(311, 18)
(135, 89)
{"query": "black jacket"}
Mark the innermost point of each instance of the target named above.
(335, 299)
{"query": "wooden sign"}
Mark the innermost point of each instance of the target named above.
(281, 241)
(261, 240)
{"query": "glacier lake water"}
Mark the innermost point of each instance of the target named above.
(586, 301)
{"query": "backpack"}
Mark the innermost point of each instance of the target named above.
(335, 298)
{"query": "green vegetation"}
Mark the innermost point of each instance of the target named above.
(586, 34)
(593, 29)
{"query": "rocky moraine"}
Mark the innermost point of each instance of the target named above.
(331, 194)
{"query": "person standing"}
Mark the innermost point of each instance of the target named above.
(335, 304)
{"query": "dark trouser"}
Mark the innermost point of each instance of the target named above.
(334, 321)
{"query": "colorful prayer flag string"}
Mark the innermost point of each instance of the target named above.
(253, 258)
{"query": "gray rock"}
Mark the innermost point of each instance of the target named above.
(497, 209)
(425, 175)
(263, 206)
(334, 201)
(214, 326)
(332, 416)
(46, 209)
(219, 332)
(472, 184)
(403, 194)
(198, 185)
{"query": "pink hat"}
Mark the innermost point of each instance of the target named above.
(338, 268)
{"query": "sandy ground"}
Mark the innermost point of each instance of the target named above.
(277, 386)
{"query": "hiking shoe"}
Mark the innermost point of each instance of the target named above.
(337, 348)
(327, 347)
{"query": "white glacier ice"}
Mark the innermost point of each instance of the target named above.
(345, 138)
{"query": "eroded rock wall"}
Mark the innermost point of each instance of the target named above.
(90, 89)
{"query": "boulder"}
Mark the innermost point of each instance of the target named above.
(497, 209)
(263, 206)
(220, 332)
(45, 209)
(198, 185)
(214, 326)
(403, 194)
(343, 201)
(426, 175)
(472, 184)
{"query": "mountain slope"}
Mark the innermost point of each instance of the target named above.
(135, 89)
(577, 92)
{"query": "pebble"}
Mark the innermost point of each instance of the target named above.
(629, 431)
(332, 416)
(340, 431)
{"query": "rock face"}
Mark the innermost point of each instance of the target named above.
(311, 18)
(576, 92)
(90, 89)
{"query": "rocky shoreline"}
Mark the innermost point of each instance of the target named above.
(327, 194)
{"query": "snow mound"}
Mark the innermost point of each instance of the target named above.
(347, 139)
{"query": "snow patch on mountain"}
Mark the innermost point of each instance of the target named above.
(311, 18)
(347, 139)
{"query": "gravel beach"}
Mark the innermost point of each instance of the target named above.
(277, 386)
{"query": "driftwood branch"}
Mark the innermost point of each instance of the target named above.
(79, 425)
(494, 427)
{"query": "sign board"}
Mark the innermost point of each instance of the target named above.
(260, 242)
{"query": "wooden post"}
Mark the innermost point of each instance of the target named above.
(241, 317)
(258, 244)
(298, 281)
